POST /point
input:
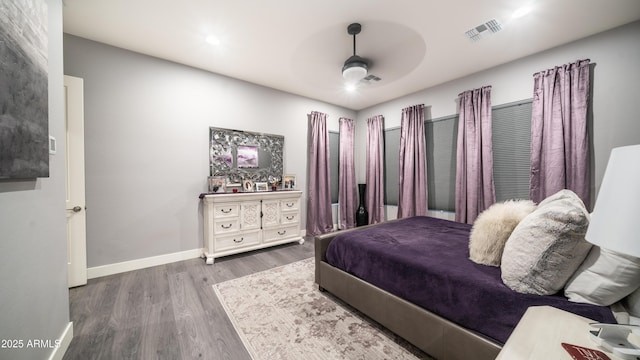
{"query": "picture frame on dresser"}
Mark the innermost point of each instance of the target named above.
(217, 184)
(247, 185)
(262, 186)
(289, 182)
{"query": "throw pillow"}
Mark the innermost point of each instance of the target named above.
(547, 246)
(492, 228)
(562, 194)
(604, 278)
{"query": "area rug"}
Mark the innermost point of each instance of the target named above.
(280, 314)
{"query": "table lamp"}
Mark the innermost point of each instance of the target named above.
(614, 226)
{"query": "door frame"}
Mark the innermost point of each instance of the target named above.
(75, 204)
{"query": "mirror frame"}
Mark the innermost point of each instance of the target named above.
(223, 159)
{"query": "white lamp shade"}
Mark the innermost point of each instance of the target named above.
(354, 73)
(615, 221)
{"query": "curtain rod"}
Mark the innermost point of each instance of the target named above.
(587, 60)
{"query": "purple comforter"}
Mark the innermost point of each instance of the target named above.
(426, 261)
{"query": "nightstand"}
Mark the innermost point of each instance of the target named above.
(541, 331)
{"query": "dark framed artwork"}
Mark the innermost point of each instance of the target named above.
(24, 84)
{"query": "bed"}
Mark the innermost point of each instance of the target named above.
(414, 277)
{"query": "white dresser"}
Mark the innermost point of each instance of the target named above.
(239, 222)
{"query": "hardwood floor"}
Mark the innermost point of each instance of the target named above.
(168, 311)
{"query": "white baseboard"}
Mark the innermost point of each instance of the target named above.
(65, 341)
(110, 269)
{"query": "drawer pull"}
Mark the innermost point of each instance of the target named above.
(226, 211)
(290, 218)
(290, 204)
(238, 241)
(282, 233)
(226, 227)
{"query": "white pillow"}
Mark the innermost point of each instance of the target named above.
(547, 246)
(632, 303)
(492, 228)
(604, 278)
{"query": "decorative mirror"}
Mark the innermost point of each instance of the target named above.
(244, 155)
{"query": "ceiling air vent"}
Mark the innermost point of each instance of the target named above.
(371, 79)
(488, 28)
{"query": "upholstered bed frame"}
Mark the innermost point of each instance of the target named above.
(431, 333)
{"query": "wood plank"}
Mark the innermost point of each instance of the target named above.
(226, 343)
(168, 311)
(159, 337)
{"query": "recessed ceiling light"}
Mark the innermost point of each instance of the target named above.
(521, 12)
(212, 40)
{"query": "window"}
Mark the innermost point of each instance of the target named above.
(391, 166)
(511, 130)
(441, 135)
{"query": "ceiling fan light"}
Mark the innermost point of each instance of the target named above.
(354, 69)
(355, 73)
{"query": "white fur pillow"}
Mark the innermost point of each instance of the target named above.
(547, 247)
(604, 278)
(492, 228)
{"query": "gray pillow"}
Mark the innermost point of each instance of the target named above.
(547, 246)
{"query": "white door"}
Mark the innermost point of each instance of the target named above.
(75, 200)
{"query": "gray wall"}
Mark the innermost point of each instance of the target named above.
(34, 299)
(615, 85)
(146, 138)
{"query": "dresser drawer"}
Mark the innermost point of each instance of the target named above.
(236, 241)
(281, 233)
(226, 226)
(221, 211)
(290, 218)
(290, 204)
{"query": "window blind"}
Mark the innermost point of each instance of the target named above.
(441, 139)
(391, 166)
(511, 124)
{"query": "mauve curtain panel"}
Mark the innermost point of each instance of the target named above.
(319, 219)
(347, 195)
(475, 190)
(375, 169)
(412, 175)
(559, 136)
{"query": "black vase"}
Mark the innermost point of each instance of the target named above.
(362, 215)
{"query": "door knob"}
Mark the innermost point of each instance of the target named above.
(76, 208)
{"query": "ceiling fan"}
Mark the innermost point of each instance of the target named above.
(355, 69)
